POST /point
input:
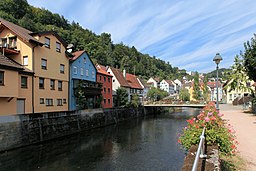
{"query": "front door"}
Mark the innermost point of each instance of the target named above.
(20, 106)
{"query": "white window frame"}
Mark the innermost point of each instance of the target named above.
(82, 71)
(25, 60)
(75, 70)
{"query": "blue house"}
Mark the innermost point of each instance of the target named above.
(84, 91)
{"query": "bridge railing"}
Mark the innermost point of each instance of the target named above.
(200, 150)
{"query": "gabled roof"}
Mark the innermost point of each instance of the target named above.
(8, 62)
(133, 81)
(51, 33)
(20, 31)
(120, 78)
(170, 82)
(76, 55)
(102, 70)
(157, 79)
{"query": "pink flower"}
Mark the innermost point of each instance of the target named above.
(207, 119)
(210, 113)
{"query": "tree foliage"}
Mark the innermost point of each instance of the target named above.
(196, 92)
(184, 94)
(100, 47)
(250, 58)
(156, 94)
(121, 97)
(205, 89)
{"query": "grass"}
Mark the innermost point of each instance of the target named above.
(232, 163)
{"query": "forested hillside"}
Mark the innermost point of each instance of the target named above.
(100, 47)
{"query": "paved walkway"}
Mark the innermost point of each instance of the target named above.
(245, 126)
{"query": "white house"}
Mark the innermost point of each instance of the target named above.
(177, 86)
(154, 82)
(213, 89)
(168, 86)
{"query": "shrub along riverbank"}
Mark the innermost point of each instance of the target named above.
(218, 133)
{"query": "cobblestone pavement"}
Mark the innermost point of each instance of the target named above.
(245, 126)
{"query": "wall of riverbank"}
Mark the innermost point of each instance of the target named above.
(21, 130)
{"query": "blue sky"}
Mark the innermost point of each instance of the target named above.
(187, 33)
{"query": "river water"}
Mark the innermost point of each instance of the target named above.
(139, 144)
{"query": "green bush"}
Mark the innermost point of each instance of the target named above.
(217, 132)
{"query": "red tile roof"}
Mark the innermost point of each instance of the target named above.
(20, 31)
(170, 82)
(212, 84)
(76, 55)
(119, 76)
(102, 70)
(132, 81)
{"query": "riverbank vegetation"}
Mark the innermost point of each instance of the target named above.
(217, 131)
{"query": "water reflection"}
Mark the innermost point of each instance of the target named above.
(142, 144)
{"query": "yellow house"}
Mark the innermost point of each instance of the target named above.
(44, 55)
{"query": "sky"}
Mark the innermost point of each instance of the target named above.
(186, 33)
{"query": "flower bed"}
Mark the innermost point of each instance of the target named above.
(217, 131)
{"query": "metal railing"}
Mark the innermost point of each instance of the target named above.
(200, 151)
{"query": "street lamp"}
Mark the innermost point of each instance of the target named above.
(217, 60)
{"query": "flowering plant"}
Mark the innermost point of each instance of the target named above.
(217, 132)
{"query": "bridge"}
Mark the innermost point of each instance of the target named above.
(175, 105)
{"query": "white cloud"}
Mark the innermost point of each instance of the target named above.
(185, 33)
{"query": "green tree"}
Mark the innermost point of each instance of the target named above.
(237, 77)
(156, 93)
(250, 58)
(184, 94)
(196, 93)
(121, 97)
(205, 89)
(135, 100)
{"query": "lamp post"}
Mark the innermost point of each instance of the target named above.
(217, 60)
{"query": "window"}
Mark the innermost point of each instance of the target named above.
(1, 78)
(100, 77)
(64, 101)
(104, 101)
(41, 100)
(24, 82)
(49, 102)
(13, 42)
(104, 79)
(108, 79)
(108, 101)
(84, 60)
(104, 90)
(58, 47)
(113, 80)
(41, 83)
(25, 60)
(87, 73)
(44, 64)
(108, 90)
(52, 84)
(59, 102)
(75, 70)
(4, 42)
(82, 71)
(47, 42)
(60, 85)
(62, 68)
(93, 74)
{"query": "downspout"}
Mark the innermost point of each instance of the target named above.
(33, 79)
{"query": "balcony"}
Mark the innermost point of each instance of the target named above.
(88, 88)
(9, 46)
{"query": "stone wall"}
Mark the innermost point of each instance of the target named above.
(26, 129)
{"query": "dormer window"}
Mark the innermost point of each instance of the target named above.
(58, 47)
(47, 42)
(13, 42)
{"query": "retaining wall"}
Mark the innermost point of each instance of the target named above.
(26, 129)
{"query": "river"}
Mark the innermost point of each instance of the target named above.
(140, 144)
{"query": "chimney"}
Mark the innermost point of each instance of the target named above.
(124, 73)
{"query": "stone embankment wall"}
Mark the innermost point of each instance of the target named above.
(26, 129)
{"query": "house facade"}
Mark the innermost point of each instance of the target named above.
(154, 82)
(213, 90)
(135, 86)
(83, 90)
(168, 86)
(44, 55)
(177, 86)
(105, 79)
